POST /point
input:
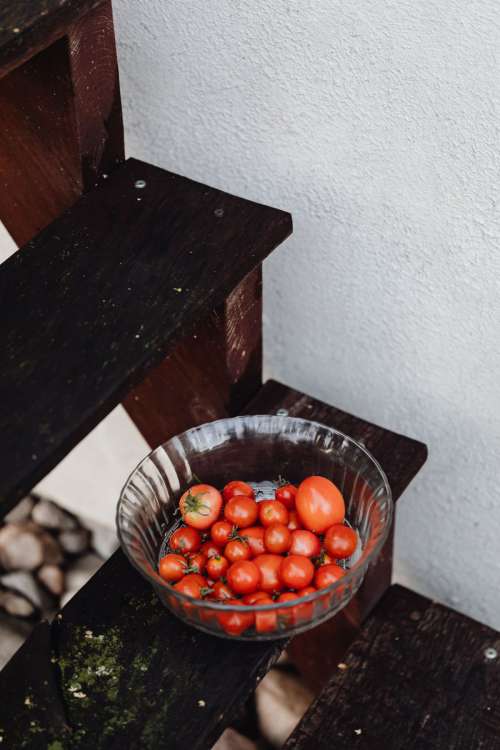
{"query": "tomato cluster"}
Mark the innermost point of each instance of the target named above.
(236, 550)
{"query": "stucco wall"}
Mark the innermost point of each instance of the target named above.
(377, 123)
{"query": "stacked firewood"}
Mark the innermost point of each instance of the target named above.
(46, 555)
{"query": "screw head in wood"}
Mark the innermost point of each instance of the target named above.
(282, 413)
(139, 184)
(219, 212)
(490, 653)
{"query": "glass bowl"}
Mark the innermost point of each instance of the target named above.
(256, 449)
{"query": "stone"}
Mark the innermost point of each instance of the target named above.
(51, 516)
(281, 700)
(21, 511)
(52, 577)
(74, 542)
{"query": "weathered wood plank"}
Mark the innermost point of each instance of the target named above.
(27, 26)
(163, 668)
(102, 294)
(417, 678)
(60, 125)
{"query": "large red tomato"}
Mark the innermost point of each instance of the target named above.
(319, 504)
(200, 506)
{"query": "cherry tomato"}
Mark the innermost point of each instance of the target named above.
(255, 597)
(220, 532)
(278, 538)
(269, 566)
(222, 591)
(319, 504)
(197, 562)
(237, 488)
(210, 549)
(235, 623)
(272, 511)
(254, 535)
(242, 511)
(305, 543)
(243, 577)
(288, 613)
(192, 585)
(236, 550)
(296, 571)
(186, 539)
(266, 622)
(217, 567)
(200, 506)
(286, 495)
(328, 574)
(304, 612)
(340, 541)
(172, 567)
(294, 522)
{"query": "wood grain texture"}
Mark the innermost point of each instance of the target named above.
(416, 679)
(212, 373)
(60, 125)
(27, 26)
(316, 653)
(163, 668)
(100, 296)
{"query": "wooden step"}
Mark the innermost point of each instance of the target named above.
(101, 295)
(160, 683)
(420, 677)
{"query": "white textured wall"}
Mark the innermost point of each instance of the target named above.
(377, 123)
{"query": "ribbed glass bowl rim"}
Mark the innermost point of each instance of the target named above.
(351, 574)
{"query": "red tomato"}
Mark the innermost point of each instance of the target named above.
(217, 567)
(319, 504)
(237, 488)
(294, 521)
(222, 591)
(254, 535)
(243, 577)
(197, 562)
(242, 511)
(186, 539)
(328, 574)
(305, 543)
(220, 532)
(304, 612)
(235, 623)
(272, 511)
(255, 597)
(340, 541)
(192, 585)
(266, 622)
(210, 549)
(200, 506)
(269, 566)
(286, 495)
(172, 567)
(296, 571)
(278, 538)
(237, 550)
(288, 613)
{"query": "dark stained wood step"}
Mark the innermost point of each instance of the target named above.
(101, 295)
(417, 678)
(27, 26)
(161, 684)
